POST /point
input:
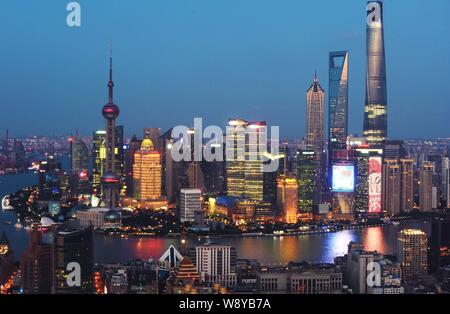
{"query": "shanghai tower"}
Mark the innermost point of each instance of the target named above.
(375, 112)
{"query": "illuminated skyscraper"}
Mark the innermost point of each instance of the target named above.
(407, 185)
(119, 155)
(130, 149)
(362, 181)
(375, 115)
(254, 176)
(79, 160)
(439, 245)
(391, 187)
(306, 178)
(6, 260)
(147, 172)
(287, 199)
(245, 177)
(235, 162)
(338, 100)
(426, 186)
(110, 180)
(315, 99)
(412, 253)
(99, 157)
(368, 176)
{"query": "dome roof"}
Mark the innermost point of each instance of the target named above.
(112, 216)
(47, 222)
(147, 144)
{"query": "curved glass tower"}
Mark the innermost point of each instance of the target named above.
(375, 113)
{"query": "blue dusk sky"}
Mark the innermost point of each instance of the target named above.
(179, 59)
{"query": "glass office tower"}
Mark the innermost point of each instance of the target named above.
(338, 100)
(375, 113)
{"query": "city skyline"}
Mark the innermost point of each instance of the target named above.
(84, 85)
(308, 190)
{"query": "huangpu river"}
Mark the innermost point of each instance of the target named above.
(269, 250)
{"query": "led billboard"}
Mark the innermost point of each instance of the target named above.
(343, 178)
(375, 185)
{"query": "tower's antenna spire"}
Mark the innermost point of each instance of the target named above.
(110, 83)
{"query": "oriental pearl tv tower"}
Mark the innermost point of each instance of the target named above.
(110, 180)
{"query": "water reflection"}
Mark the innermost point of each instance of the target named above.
(374, 240)
(314, 248)
(337, 244)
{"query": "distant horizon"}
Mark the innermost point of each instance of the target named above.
(179, 60)
(141, 135)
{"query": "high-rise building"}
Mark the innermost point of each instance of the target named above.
(368, 175)
(307, 180)
(391, 187)
(245, 176)
(445, 182)
(338, 100)
(439, 252)
(375, 115)
(362, 182)
(79, 162)
(343, 183)
(110, 179)
(173, 178)
(195, 176)
(441, 166)
(190, 204)
(130, 149)
(235, 161)
(17, 156)
(119, 158)
(99, 158)
(315, 116)
(270, 177)
(49, 179)
(216, 263)
(214, 172)
(357, 261)
(6, 260)
(412, 253)
(73, 259)
(315, 108)
(147, 172)
(287, 199)
(407, 185)
(36, 266)
(426, 187)
(79, 154)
